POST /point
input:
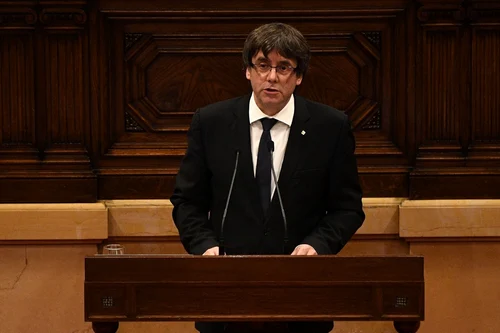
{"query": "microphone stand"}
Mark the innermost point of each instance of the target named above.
(221, 238)
(270, 147)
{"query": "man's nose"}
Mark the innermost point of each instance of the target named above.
(272, 76)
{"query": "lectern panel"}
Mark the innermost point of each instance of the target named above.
(106, 301)
(253, 301)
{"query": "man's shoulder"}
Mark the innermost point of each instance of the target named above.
(223, 107)
(325, 111)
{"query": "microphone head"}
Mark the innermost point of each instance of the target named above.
(270, 146)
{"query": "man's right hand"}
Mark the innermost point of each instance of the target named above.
(213, 251)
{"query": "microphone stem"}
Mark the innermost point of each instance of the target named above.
(285, 224)
(221, 237)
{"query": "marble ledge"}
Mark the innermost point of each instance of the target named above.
(449, 203)
(143, 218)
(53, 222)
(382, 216)
(140, 218)
(459, 219)
(153, 218)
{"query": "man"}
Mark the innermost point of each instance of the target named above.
(311, 148)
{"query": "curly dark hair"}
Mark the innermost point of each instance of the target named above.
(283, 38)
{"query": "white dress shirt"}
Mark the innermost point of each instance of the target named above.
(279, 134)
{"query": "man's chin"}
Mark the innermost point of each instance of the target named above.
(272, 100)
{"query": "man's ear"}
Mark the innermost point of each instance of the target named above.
(247, 73)
(298, 80)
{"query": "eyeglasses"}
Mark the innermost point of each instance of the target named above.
(264, 68)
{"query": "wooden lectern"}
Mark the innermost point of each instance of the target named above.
(253, 288)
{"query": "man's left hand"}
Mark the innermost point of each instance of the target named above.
(304, 250)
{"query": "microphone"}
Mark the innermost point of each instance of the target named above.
(270, 148)
(221, 238)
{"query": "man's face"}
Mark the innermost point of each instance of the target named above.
(272, 90)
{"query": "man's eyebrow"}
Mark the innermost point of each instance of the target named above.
(282, 62)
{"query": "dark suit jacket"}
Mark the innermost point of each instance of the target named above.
(318, 182)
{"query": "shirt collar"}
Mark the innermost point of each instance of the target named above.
(284, 116)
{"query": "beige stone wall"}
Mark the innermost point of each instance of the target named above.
(42, 248)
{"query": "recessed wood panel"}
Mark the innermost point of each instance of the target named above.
(440, 118)
(486, 85)
(99, 95)
(167, 79)
(65, 100)
(485, 97)
(185, 301)
(161, 72)
(17, 93)
(45, 120)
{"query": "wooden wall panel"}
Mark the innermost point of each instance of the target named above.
(458, 145)
(96, 96)
(45, 114)
(65, 108)
(17, 91)
(162, 68)
(485, 86)
(439, 120)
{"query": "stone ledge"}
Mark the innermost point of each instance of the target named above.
(438, 220)
(382, 216)
(54, 222)
(140, 218)
(449, 219)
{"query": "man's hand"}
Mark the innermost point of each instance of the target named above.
(213, 251)
(304, 250)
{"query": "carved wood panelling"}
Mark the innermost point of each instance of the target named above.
(355, 64)
(65, 104)
(162, 73)
(486, 85)
(64, 41)
(63, 16)
(462, 150)
(167, 79)
(17, 17)
(374, 122)
(439, 75)
(45, 121)
(440, 80)
(440, 118)
(17, 92)
(106, 89)
(483, 13)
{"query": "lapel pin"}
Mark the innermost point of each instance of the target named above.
(303, 132)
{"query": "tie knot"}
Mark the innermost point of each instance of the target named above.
(268, 123)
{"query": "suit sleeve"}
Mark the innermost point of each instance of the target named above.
(344, 213)
(192, 195)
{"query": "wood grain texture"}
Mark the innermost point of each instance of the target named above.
(485, 126)
(101, 93)
(45, 120)
(161, 72)
(17, 95)
(258, 287)
(457, 143)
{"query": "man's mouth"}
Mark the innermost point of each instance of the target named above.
(271, 90)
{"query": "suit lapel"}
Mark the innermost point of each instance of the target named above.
(241, 137)
(296, 146)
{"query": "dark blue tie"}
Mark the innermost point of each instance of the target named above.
(263, 172)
